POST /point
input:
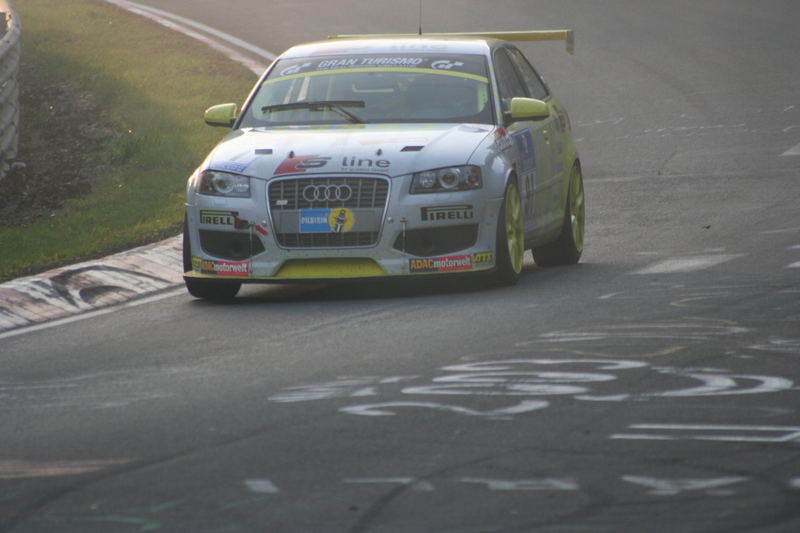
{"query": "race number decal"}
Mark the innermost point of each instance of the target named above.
(526, 168)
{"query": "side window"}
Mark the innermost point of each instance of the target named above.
(532, 79)
(509, 84)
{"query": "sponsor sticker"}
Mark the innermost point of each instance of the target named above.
(231, 166)
(301, 163)
(217, 218)
(451, 263)
(407, 58)
(232, 269)
(446, 64)
(526, 156)
(341, 220)
(354, 162)
(502, 140)
(336, 220)
(446, 212)
(483, 258)
(314, 220)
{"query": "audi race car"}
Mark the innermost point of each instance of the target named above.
(368, 156)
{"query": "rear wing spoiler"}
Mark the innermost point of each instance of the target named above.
(568, 36)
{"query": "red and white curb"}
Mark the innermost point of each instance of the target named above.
(92, 285)
(130, 277)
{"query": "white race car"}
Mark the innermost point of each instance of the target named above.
(388, 155)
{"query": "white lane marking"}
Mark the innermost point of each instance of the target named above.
(162, 17)
(795, 483)
(261, 486)
(524, 484)
(724, 385)
(712, 432)
(422, 486)
(607, 122)
(794, 265)
(506, 413)
(608, 296)
(92, 314)
(672, 487)
(794, 150)
(686, 264)
(784, 230)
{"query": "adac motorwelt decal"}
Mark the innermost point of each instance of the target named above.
(451, 263)
(231, 269)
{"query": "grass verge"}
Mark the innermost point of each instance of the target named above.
(111, 129)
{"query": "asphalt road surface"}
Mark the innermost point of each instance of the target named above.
(653, 387)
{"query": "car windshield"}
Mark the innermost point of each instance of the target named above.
(373, 89)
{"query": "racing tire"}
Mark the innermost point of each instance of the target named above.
(568, 247)
(510, 243)
(208, 289)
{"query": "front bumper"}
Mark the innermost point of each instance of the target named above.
(274, 236)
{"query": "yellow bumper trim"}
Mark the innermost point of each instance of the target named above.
(329, 269)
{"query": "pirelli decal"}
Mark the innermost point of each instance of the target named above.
(218, 218)
(447, 212)
(451, 263)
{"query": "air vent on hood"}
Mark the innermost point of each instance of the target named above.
(412, 148)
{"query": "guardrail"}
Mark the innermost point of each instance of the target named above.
(10, 31)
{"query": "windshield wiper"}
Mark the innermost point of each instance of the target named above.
(334, 105)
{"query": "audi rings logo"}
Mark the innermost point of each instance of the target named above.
(327, 193)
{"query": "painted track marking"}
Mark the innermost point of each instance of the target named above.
(686, 264)
(178, 23)
(794, 150)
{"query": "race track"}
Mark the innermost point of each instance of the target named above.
(653, 387)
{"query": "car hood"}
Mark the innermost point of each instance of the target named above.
(371, 148)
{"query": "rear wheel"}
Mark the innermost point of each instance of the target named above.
(567, 248)
(209, 289)
(510, 237)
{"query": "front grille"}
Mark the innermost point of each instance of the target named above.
(366, 199)
(366, 192)
(327, 240)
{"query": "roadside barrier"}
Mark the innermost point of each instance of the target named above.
(10, 31)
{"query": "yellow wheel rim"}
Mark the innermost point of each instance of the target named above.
(577, 209)
(515, 237)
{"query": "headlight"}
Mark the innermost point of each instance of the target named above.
(224, 184)
(447, 179)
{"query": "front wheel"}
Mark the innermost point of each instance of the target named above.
(215, 290)
(510, 244)
(209, 289)
(568, 247)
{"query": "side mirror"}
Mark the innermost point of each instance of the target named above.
(221, 115)
(527, 109)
